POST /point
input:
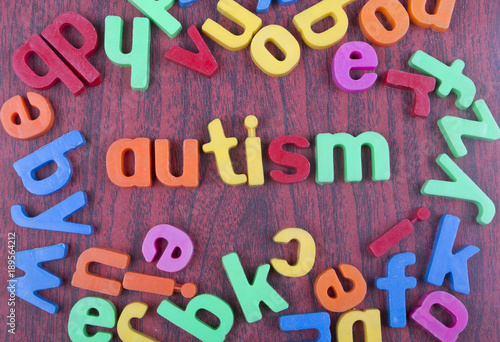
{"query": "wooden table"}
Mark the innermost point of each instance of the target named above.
(342, 217)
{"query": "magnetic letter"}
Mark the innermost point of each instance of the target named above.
(438, 21)
(76, 58)
(354, 56)
(265, 60)
(253, 151)
(81, 316)
(175, 238)
(36, 277)
(190, 164)
(314, 14)
(449, 78)
(54, 219)
(156, 11)
(219, 145)
(142, 177)
(238, 14)
(351, 146)
(57, 69)
(396, 283)
(125, 330)
(461, 187)
(371, 325)
(138, 58)
(251, 295)
(53, 152)
(263, 5)
(292, 160)
(83, 279)
(444, 261)
(421, 314)
(187, 320)
(27, 128)
(306, 252)
(158, 285)
(373, 29)
(319, 321)
(343, 300)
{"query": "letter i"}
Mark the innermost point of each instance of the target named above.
(253, 151)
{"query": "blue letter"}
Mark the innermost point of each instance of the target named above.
(443, 261)
(396, 283)
(316, 320)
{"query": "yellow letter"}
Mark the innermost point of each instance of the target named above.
(371, 324)
(306, 253)
(219, 145)
(125, 330)
(240, 15)
(253, 151)
(284, 40)
(306, 19)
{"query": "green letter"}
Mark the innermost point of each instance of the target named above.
(138, 57)
(156, 10)
(461, 187)
(351, 146)
(80, 317)
(187, 320)
(250, 295)
(453, 128)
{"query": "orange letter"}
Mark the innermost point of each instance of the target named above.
(142, 177)
(83, 279)
(191, 158)
(158, 285)
(373, 29)
(438, 21)
(28, 128)
(343, 300)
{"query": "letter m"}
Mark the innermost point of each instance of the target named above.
(351, 146)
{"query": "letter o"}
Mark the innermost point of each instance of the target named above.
(285, 41)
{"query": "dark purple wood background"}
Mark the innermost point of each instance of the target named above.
(342, 217)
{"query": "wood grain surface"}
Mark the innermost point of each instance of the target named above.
(342, 217)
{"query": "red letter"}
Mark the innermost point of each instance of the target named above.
(289, 159)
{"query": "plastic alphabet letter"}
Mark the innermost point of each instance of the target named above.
(396, 283)
(386, 241)
(265, 60)
(115, 157)
(371, 325)
(421, 314)
(263, 5)
(351, 146)
(27, 128)
(292, 160)
(83, 279)
(219, 145)
(373, 29)
(138, 58)
(343, 300)
(453, 128)
(191, 159)
(306, 252)
(314, 14)
(157, 285)
(343, 63)
(250, 295)
(449, 78)
(461, 187)
(253, 151)
(444, 261)
(187, 320)
(419, 85)
(175, 238)
(438, 21)
(185, 3)
(76, 58)
(80, 316)
(202, 62)
(238, 14)
(36, 277)
(125, 330)
(58, 70)
(156, 11)
(54, 219)
(52, 152)
(319, 321)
